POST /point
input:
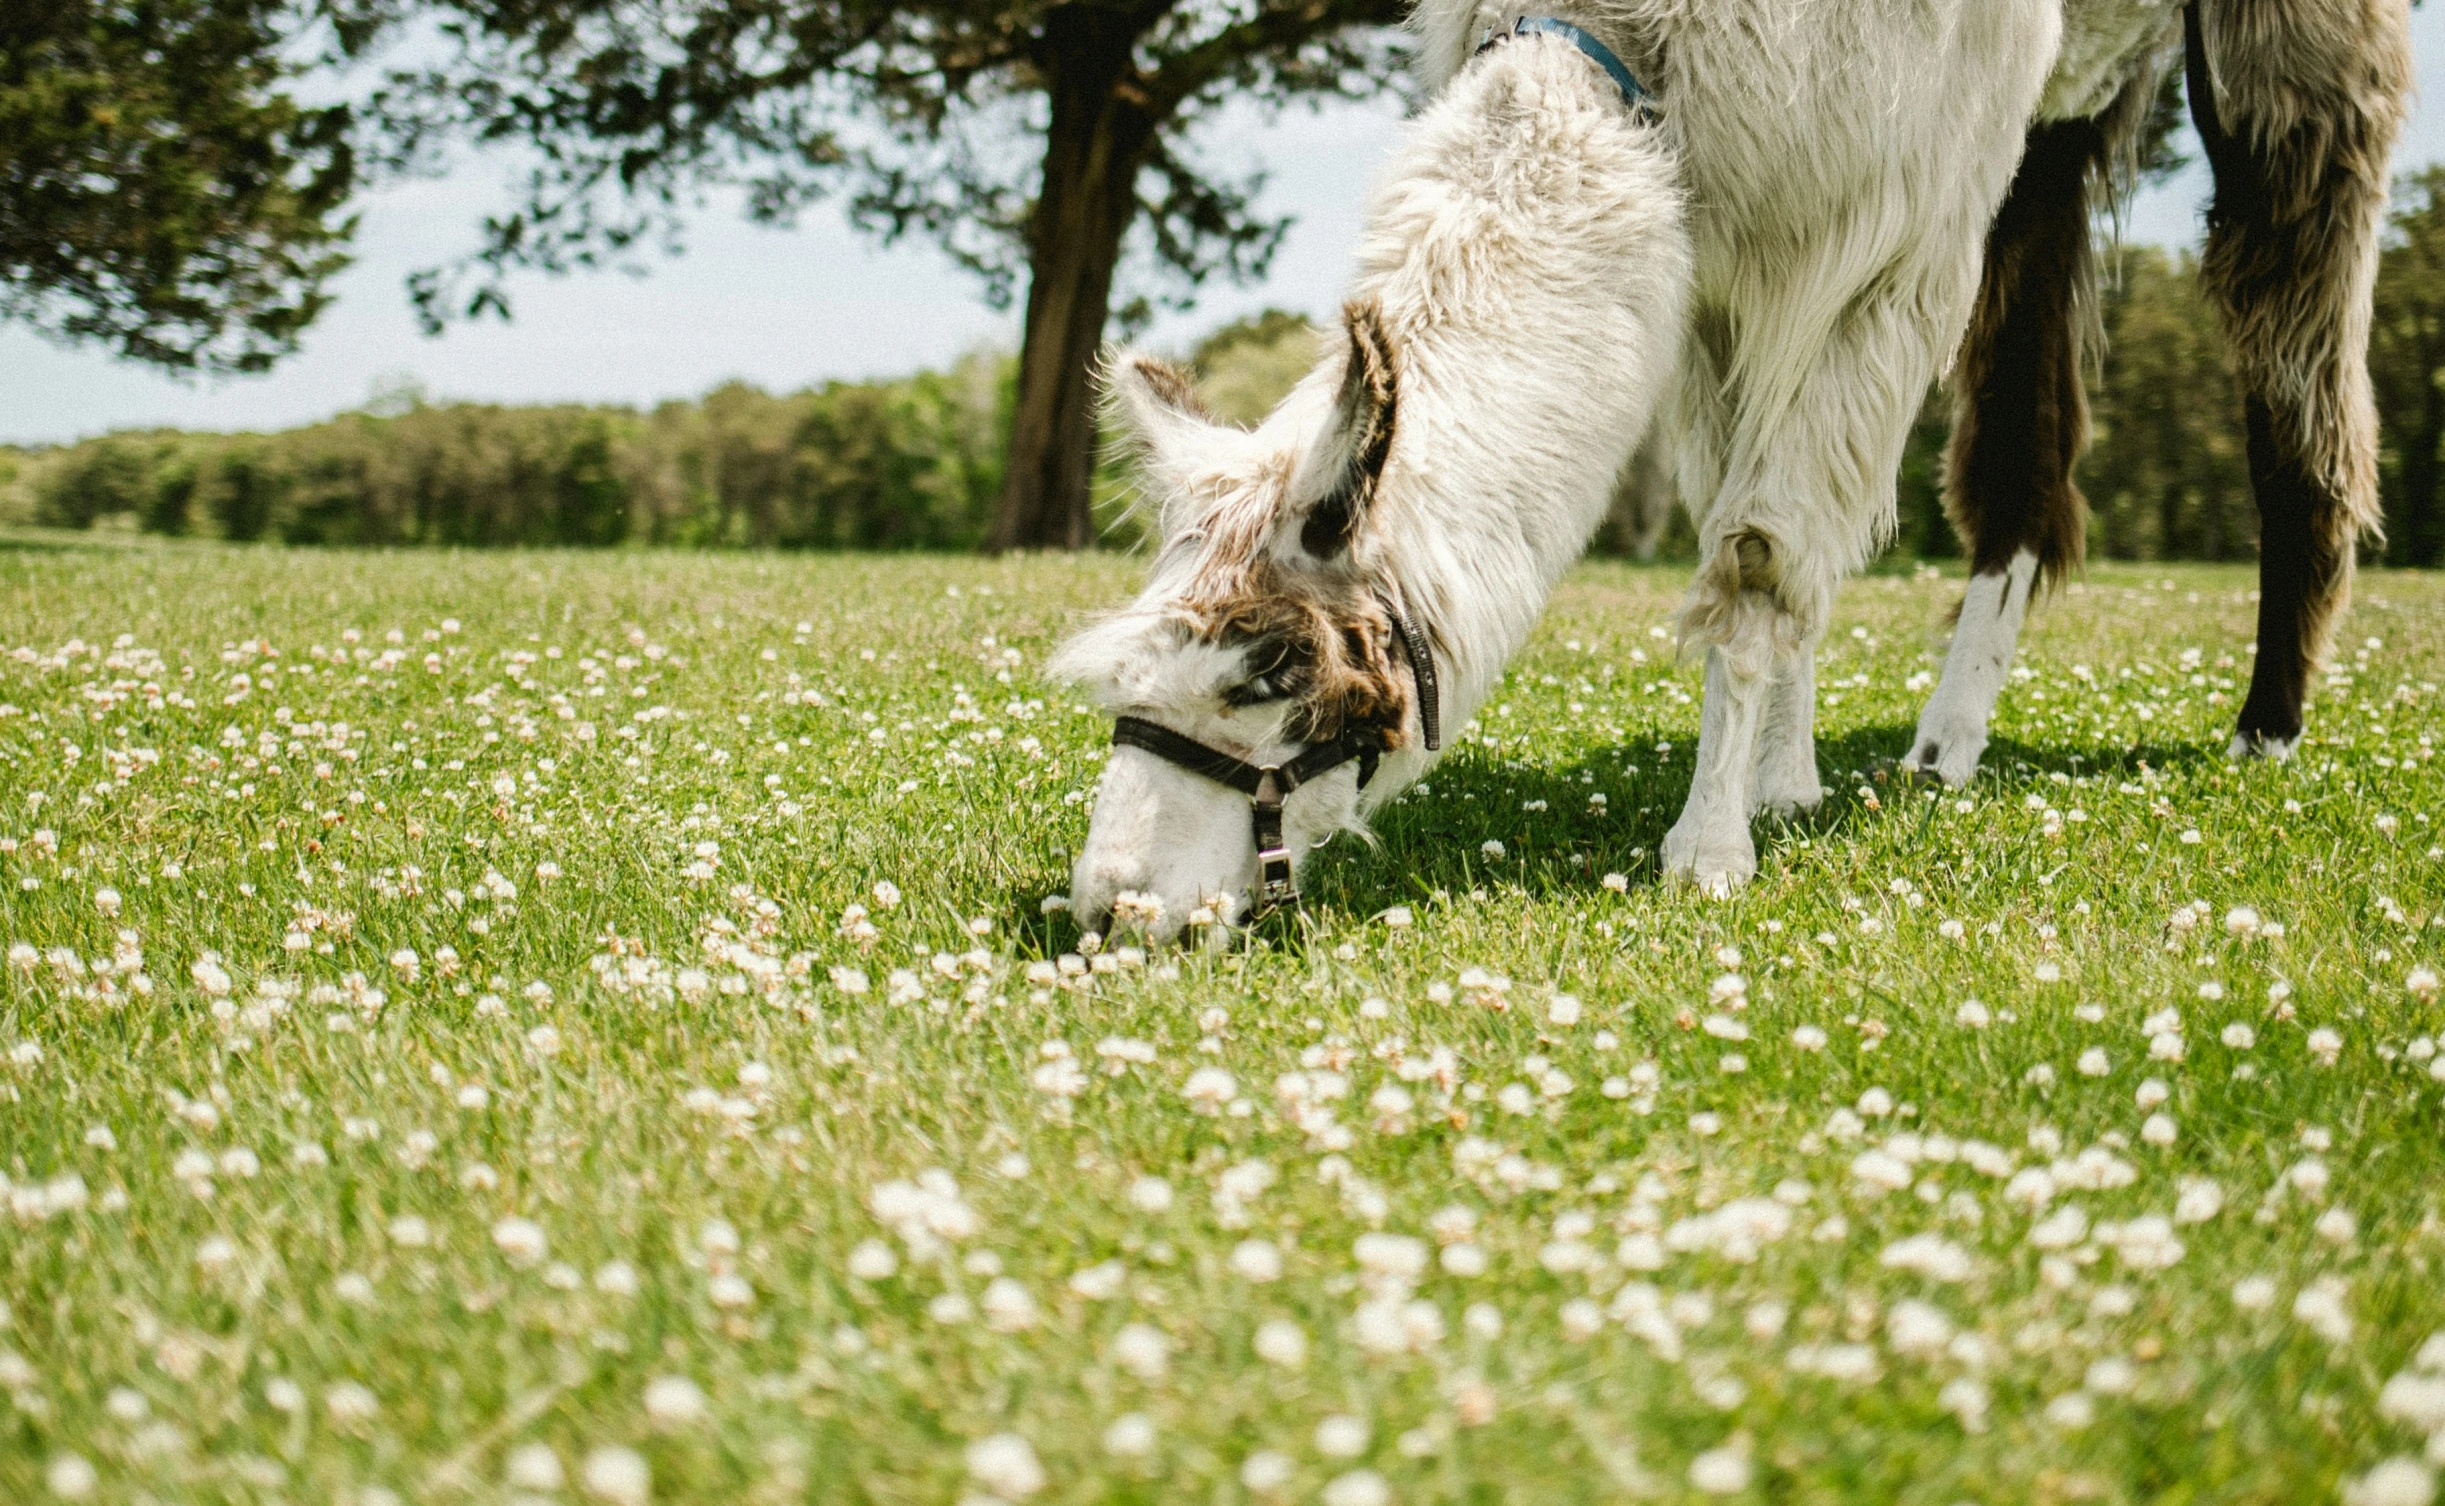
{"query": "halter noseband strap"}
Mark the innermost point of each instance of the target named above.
(1268, 786)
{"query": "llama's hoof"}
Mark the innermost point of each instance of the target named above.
(2249, 745)
(1949, 757)
(1715, 863)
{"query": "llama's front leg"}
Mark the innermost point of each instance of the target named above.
(1710, 845)
(1953, 729)
(1785, 779)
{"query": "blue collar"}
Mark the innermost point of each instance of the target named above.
(1635, 94)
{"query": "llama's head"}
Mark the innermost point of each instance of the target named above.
(1262, 630)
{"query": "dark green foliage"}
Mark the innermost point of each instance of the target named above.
(2165, 472)
(2406, 357)
(897, 465)
(159, 193)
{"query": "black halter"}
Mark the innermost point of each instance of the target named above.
(1267, 786)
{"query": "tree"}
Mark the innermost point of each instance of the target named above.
(159, 192)
(1024, 138)
(2406, 359)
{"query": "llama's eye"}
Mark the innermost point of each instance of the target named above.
(1254, 692)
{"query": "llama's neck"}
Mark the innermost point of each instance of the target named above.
(1528, 252)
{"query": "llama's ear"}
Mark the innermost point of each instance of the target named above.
(1153, 403)
(1348, 465)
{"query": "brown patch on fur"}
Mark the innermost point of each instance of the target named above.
(2020, 412)
(1325, 644)
(2298, 104)
(1174, 388)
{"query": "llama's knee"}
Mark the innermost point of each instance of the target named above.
(1739, 607)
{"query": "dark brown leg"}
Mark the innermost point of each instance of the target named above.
(2298, 103)
(2020, 419)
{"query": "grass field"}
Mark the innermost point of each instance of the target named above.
(531, 1028)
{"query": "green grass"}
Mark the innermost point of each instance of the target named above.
(261, 1239)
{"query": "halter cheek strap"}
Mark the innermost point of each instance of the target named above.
(1269, 786)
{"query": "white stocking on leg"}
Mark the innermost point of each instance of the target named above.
(1785, 779)
(1953, 729)
(1710, 844)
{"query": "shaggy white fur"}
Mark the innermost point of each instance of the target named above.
(1526, 252)
(1546, 291)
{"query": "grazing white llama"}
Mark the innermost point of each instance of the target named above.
(1779, 258)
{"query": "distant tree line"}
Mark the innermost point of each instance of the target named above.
(912, 464)
(919, 463)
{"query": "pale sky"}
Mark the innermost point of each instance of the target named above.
(781, 309)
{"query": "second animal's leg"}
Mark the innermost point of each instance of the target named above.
(2020, 418)
(2298, 103)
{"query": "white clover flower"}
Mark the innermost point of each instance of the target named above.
(1008, 1305)
(1150, 1194)
(2239, 1036)
(1130, 1436)
(1143, 1350)
(2337, 1226)
(2059, 1230)
(71, 1477)
(1006, 1464)
(1581, 1319)
(1917, 1328)
(1281, 1342)
(674, 1400)
(1720, 1471)
(1973, 1015)
(1490, 848)
(1928, 1255)
(2201, 1199)
(2325, 1044)
(534, 1467)
(2094, 1062)
(2399, 1481)
(1360, 1487)
(1256, 1260)
(349, 1402)
(2320, 1305)
(1266, 1471)
(1342, 1436)
(2159, 1130)
(2422, 983)
(2414, 1399)
(2254, 1293)
(1808, 1038)
(618, 1475)
(1209, 1088)
(521, 1240)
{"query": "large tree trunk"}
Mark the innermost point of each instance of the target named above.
(1094, 148)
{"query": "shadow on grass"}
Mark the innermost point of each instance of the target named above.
(1557, 842)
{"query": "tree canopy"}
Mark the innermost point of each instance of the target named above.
(161, 192)
(1033, 142)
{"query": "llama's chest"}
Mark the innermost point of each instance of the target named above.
(2104, 42)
